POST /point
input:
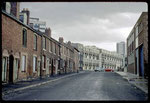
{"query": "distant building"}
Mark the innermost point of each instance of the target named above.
(111, 60)
(121, 48)
(37, 25)
(137, 47)
(80, 48)
(90, 57)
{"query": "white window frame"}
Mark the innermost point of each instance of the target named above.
(4, 68)
(34, 63)
(35, 43)
(44, 43)
(49, 46)
(23, 64)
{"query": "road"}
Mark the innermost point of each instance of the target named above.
(83, 86)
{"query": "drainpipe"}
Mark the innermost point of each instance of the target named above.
(41, 56)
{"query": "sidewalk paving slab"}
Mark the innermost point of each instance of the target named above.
(139, 82)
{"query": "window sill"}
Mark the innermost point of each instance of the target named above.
(24, 46)
(44, 49)
(43, 69)
(35, 49)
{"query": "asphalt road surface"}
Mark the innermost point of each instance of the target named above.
(95, 86)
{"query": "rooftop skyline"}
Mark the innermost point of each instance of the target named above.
(102, 24)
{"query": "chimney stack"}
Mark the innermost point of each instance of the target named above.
(69, 43)
(48, 32)
(61, 40)
(28, 14)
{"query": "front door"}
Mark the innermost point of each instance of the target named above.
(52, 67)
(11, 65)
(137, 61)
(141, 63)
(15, 75)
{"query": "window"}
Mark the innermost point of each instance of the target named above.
(55, 48)
(39, 64)
(44, 61)
(34, 63)
(24, 39)
(136, 31)
(44, 43)
(35, 41)
(140, 27)
(49, 46)
(4, 70)
(23, 63)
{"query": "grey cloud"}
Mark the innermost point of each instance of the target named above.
(96, 22)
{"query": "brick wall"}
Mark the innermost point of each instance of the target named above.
(12, 41)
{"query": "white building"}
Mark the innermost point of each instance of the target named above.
(90, 57)
(121, 48)
(111, 60)
(95, 57)
(37, 25)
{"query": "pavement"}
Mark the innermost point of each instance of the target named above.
(21, 85)
(139, 82)
(87, 86)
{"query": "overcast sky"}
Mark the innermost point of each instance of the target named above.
(102, 24)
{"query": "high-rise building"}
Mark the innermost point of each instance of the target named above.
(121, 48)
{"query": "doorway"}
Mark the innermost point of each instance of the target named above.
(141, 61)
(11, 65)
(52, 67)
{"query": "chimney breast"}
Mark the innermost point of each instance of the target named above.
(61, 40)
(28, 14)
(48, 32)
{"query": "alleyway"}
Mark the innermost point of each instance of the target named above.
(83, 86)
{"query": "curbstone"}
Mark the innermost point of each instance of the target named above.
(35, 85)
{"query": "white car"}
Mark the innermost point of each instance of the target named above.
(99, 69)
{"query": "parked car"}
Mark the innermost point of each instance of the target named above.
(99, 69)
(109, 70)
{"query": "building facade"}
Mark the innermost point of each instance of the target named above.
(76, 60)
(20, 50)
(80, 48)
(121, 48)
(94, 57)
(90, 58)
(137, 47)
(67, 56)
(50, 55)
(36, 24)
(28, 53)
(111, 60)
